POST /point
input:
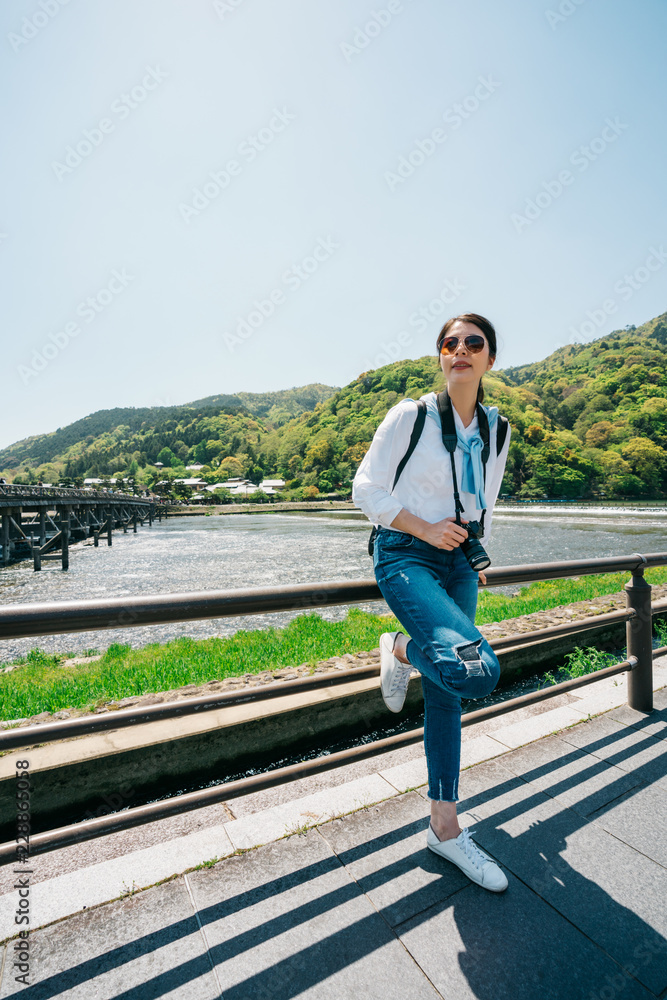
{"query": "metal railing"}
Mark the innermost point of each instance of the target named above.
(77, 616)
(28, 735)
(63, 494)
(23, 620)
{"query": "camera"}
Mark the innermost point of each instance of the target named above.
(473, 549)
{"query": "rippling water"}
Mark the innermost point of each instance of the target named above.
(263, 550)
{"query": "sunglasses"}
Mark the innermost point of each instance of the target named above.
(474, 344)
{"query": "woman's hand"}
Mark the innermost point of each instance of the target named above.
(482, 577)
(445, 534)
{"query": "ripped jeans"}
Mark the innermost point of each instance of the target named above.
(433, 593)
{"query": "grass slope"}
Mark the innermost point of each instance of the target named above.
(45, 683)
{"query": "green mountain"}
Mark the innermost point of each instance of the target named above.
(588, 421)
(108, 441)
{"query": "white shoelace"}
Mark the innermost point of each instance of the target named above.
(401, 678)
(471, 850)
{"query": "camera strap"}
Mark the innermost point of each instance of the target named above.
(450, 441)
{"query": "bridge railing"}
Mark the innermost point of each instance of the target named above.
(63, 493)
(20, 621)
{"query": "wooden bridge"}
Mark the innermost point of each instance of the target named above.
(40, 522)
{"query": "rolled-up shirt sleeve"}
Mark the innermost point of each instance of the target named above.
(371, 488)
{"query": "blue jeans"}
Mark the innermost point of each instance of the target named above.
(433, 593)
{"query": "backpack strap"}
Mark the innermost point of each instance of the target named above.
(450, 441)
(414, 438)
(501, 432)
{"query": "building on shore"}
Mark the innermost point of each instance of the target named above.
(240, 486)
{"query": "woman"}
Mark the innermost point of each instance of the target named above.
(424, 575)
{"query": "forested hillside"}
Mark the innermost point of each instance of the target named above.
(588, 421)
(124, 441)
(604, 418)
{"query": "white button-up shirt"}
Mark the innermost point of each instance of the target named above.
(425, 486)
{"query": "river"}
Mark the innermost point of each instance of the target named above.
(263, 550)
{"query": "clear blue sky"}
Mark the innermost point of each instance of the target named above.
(305, 110)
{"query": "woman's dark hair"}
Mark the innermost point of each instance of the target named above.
(487, 329)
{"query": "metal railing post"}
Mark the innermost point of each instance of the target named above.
(65, 530)
(36, 553)
(639, 635)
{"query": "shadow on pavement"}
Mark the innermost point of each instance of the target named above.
(294, 917)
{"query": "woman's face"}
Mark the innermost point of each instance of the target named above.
(463, 367)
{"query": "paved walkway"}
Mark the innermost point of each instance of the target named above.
(358, 908)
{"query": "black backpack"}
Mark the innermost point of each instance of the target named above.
(503, 424)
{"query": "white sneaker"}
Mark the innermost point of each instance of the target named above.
(394, 675)
(471, 859)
